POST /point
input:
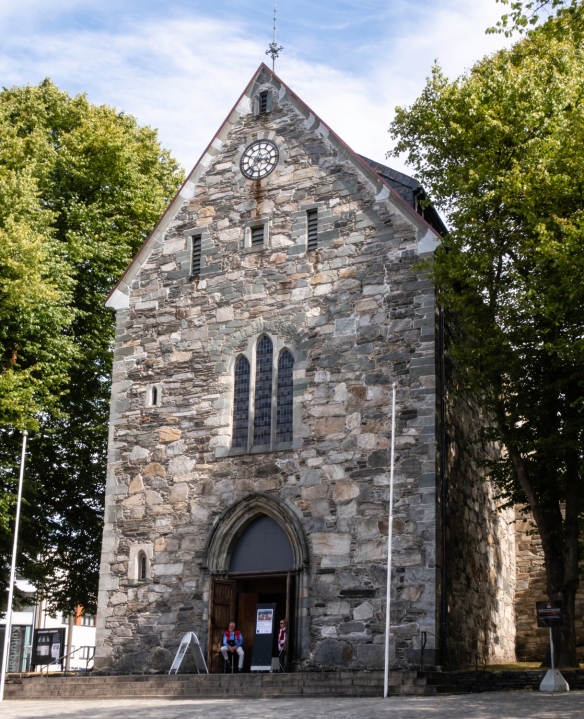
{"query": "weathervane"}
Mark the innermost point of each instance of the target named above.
(274, 50)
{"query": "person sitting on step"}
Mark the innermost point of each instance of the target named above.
(231, 644)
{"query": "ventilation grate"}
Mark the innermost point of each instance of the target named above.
(263, 102)
(196, 264)
(257, 235)
(312, 221)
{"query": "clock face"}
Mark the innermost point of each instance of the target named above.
(259, 159)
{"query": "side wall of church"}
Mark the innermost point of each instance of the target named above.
(356, 317)
(480, 549)
(533, 642)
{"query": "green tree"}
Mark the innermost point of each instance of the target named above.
(91, 184)
(557, 16)
(501, 150)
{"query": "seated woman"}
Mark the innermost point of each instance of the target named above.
(232, 641)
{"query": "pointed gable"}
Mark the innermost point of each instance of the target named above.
(385, 187)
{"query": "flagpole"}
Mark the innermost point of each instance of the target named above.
(389, 537)
(12, 573)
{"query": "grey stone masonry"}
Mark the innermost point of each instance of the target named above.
(356, 316)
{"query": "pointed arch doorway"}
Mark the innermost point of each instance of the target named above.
(256, 554)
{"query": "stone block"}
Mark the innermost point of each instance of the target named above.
(330, 544)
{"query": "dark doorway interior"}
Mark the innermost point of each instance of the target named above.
(260, 572)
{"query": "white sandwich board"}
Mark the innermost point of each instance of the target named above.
(189, 639)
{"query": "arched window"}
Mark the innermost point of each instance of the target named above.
(142, 567)
(262, 547)
(241, 403)
(262, 424)
(284, 416)
(263, 421)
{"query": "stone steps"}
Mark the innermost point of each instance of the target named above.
(207, 686)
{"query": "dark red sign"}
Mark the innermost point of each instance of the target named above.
(549, 614)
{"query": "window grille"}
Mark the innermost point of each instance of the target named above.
(257, 235)
(284, 414)
(312, 222)
(196, 263)
(263, 392)
(241, 403)
(263, 102)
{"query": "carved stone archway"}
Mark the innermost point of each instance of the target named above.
(235, 519)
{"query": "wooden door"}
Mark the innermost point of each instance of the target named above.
(221, 612)
(290, 616)
(246, 612)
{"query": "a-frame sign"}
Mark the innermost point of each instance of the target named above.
(189, 639)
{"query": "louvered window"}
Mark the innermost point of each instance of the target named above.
(257, 235)
(196, 263)
(262, 423)
(241, 403)
(312, 222)
(284, 415)
(263, 102)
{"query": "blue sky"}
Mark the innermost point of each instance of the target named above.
(180, 65)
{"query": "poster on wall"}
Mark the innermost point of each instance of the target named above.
(265, 621)
(47, 645)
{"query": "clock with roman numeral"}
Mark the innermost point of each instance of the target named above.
(259, 159)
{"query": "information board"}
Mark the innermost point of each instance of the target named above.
(549, 614)
(263, 639)
(48, 645)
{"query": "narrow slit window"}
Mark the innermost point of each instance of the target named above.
(241, 403)
(196, 263)
(284, 413)
(263, 393)
(312, 222)
(142, 566)
(257, 235)
(263, 102)
(154, 396)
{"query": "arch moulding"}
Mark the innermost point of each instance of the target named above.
(234, 520)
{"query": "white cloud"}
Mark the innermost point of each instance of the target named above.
(183, 74)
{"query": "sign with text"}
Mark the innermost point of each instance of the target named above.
(263, 639)
(265, 621)
(549, 614)
(48, 645)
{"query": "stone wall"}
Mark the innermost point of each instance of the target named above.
(533, 642)
(356, 317)
(480, 548)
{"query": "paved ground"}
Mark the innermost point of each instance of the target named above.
(499, 705)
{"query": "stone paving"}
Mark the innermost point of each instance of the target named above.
(511, 705)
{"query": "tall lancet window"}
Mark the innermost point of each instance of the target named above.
(284, 416)
(241, 403)
(262, 424)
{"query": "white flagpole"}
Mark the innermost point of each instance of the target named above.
(389, 537)
(12, 573)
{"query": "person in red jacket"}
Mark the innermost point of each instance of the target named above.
(231, 644)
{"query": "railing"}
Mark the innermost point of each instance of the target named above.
(90, 654)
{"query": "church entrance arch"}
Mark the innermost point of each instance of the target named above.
(256, 553)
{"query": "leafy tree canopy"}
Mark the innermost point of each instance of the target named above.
(501, 150)
(81, 186)
(557, 16)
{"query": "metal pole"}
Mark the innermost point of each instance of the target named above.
(389, 537)
(12, 573)
(552, 649)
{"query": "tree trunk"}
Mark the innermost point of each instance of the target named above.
(559, 539)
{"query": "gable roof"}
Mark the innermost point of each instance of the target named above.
(380, 176)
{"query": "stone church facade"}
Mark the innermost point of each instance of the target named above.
(259, 331)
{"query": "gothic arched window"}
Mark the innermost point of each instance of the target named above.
(264, 420)
(284, 415)
(241, 403)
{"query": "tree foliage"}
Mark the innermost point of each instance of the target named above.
(558, 16)
(501, 150)
(81, 186)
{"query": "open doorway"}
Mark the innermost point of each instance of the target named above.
(260, 571)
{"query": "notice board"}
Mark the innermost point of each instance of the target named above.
(263, 638)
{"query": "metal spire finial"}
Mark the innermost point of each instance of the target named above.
(274, 50)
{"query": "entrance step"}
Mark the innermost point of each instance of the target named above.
(213, 686)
